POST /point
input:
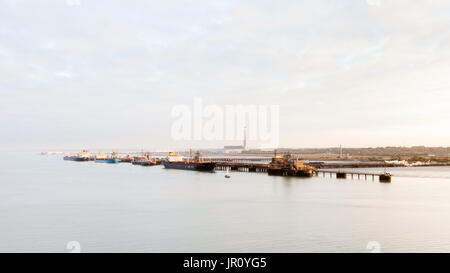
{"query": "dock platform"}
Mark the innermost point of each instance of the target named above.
(263, 167)
(382, 177)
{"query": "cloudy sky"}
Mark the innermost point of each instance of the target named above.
(107, 74)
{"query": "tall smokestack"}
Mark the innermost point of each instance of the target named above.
(245, 138)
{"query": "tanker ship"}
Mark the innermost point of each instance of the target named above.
(194, 164)
(102, 158)
(83, 156)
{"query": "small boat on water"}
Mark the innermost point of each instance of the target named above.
(102, 158)
(194, 164)
(228, 174)
(83, 156)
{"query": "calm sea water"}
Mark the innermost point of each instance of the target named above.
(46, 202)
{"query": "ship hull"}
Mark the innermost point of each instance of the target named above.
(125, 160)
(111, 160)
(74, 158)
(204, 167)
(143, 163)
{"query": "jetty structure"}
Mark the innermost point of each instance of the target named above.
(283, 165)
(288, 166)
(384, 177)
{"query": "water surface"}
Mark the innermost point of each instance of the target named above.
(46, 202)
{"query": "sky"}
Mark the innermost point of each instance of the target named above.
(108, 74)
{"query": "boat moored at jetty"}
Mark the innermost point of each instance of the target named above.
(83, 156)
(288, 166)
(385, 177)
(144, 162)
(102, 158)
(107, 160)
(195, 163)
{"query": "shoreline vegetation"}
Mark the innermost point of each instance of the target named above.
(414, 156)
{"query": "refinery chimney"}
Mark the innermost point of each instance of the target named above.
(245, 138)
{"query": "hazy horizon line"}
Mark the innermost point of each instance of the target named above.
(41, 149)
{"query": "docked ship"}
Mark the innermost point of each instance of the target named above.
(194, 163)
(83, 156)
(288, 166)
(126, 159)
(102, 158)
(145, 160)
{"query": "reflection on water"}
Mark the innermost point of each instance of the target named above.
(46, 202)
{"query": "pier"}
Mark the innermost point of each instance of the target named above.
(316, 164)
(237, 165)
(241, 167)
(281, 166)
(382, 177)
